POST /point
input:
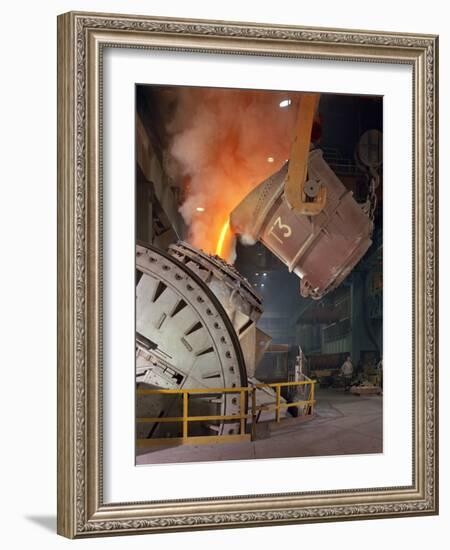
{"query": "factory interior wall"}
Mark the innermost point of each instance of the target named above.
(360, 339)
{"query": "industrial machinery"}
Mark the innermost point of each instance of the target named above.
(195, 328)
(241, 303)
(320, 249)
(184, 339)
(306, 216)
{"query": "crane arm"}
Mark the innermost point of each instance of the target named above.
(294, 189)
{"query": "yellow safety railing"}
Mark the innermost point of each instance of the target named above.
(279, 406)
(242, 417)
(186, 419)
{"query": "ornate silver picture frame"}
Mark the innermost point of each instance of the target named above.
(83, 39)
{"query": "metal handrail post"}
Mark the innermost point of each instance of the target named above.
(185, 414)
(253, 414)
(278, 417)
(242, 411)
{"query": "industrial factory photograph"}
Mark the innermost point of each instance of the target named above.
(259, 274)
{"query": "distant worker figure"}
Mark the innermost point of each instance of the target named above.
(347, 372)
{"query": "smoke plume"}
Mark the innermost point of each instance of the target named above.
(223, 143)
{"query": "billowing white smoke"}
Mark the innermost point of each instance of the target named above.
(247, 240)
(223, 143)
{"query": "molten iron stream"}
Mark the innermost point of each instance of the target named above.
(221, 240)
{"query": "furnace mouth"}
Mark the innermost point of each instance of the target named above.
(219, 268)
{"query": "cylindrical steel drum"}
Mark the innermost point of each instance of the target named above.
(321, 249)
(184, 340)
(242, 305)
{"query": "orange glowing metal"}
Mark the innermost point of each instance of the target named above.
(225, 229)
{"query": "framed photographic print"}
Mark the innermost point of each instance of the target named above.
(247, 289)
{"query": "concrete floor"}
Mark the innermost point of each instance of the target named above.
(342, 424)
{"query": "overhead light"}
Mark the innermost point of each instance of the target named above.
(257, 274)
(265, 274)
(262, 284)
(200, 209)
(270, 159)
(285, 103)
